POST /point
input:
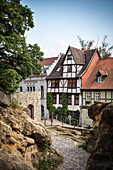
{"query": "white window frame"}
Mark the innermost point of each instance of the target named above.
(99, 79)
(88, 96)
(97, 96)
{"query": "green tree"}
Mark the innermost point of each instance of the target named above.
(64, 106)
(49, 101)
(104, 49)
(17, 59)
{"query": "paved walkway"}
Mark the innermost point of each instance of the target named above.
(74, 158)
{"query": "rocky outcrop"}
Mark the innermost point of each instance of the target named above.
(100, 141)
(21, 140)
(4, 99)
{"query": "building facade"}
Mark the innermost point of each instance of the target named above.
(98, 87)
(68, 77)
(38, 83)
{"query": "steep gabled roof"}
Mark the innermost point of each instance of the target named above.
(103, 64)
(89, 54)
(81, 57)
(55, 73)
(47, 61)
(78, 55)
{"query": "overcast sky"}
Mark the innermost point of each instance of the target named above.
(59, 22)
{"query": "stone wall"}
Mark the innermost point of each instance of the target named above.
(100, 141)
(29, 98)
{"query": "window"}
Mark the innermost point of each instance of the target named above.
(88, 96)
(97, 96)
(74, 83)
(42, 91)
(27, 88)
(99, 79)
(60, 98)
(33, 88)
(42, 111)
(20, 88)
(54, 98)
(69, 68)
(30, 88)
(71, 83)
(69, 57)
(57, 83)
(69, 99)
(53, 83)
(76, 99)
(59, 68)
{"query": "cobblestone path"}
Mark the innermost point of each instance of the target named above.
(74, 158)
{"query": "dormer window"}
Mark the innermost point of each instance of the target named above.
(59, 68)
(99, 79)
(101, 75)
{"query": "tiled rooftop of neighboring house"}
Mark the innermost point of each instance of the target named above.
(105, 67)
(47, 61)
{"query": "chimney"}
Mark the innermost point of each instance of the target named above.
(83, 49)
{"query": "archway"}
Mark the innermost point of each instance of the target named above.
(31, 108)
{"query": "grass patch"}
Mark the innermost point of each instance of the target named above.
(50, 161)
(84, 147)
(50, 158)
(74, 132)
(51, 127)
(14, 104)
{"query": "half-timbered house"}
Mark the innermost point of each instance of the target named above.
(68, 76)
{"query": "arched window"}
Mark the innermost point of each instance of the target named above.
(42, 111)
(42, 91)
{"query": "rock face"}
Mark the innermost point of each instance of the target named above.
(21, 140)
(100, 141)
(4, 99)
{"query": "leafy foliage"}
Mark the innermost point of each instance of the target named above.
(17, 59)
(104, 49)
(49, 101)
(64, 105)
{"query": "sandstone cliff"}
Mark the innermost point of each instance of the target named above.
(100, 141)
(22, 141)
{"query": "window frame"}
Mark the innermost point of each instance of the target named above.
(72, 83)
(97, 95)
(69, 57)
(76, 99)
(88, 96)
(42, 91)
(52, 84)
(69, 68)
(69, 99)
(99, 79)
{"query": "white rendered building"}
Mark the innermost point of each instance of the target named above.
(38, 83)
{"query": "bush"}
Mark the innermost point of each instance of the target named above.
(74, 132)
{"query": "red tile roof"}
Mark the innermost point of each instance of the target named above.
(102, 65)
(47, 61)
